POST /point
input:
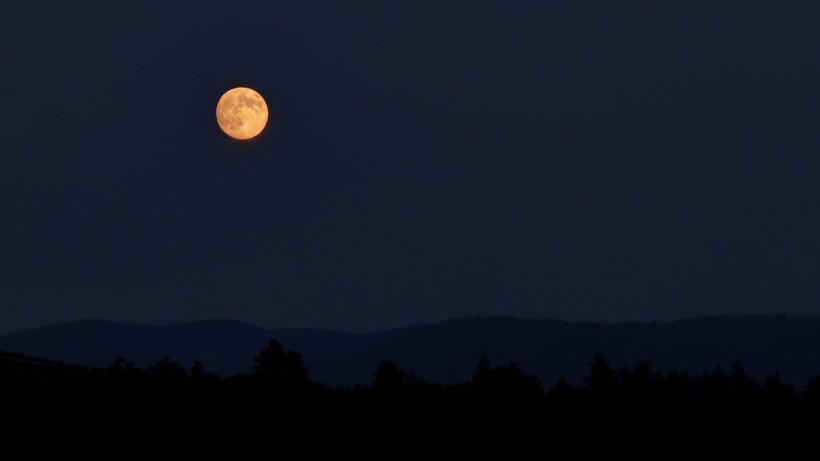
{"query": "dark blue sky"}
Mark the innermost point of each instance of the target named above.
(580, 160)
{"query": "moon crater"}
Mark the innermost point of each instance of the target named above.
(242, 113)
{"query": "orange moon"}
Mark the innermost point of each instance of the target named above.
(242, 113)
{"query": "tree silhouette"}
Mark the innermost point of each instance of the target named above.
(502, 408)
(562, 391)
(122, 368)
(197, 370)
(602, 379)
(739, 381)
(714, 384)
(388, 376)
(167, 369)
(277, 364)
(505, 381)
(640, 383)
(198, 373)
(776, 392)
(483, 369)
(678, 387)
(811, 393)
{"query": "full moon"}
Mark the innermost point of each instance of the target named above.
(241, 113)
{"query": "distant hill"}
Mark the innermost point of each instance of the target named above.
(448, 352)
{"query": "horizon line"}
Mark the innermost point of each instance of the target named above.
(412, 325)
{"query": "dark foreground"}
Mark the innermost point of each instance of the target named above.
(58, 411)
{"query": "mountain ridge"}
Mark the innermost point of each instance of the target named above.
(447, 351)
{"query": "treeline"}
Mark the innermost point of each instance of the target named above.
(123, 411)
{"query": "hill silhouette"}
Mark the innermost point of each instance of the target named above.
(500, 411)
(447, 352)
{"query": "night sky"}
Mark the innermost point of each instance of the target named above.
(425, 159)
